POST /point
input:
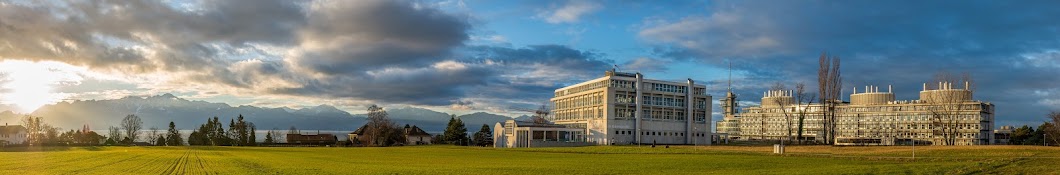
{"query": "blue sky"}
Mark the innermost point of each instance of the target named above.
(476, 55)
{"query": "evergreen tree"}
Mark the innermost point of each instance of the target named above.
(193, 138)
(161, 141)
(484, 137)
(455, 133)
(252, 141)
(174, 136)
(268, 138)
(1021, 135)
(233, 135)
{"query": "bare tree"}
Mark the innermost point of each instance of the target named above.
(114, 134)
(783, 105)
(152, 135)
(946, 106)
(131, 124)
(293, 130)
(803, 102)
(35, 129)
(830, 84)
(380, 130)
(1054, 131)
(276, 136)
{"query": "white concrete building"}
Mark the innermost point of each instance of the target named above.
(944, 115)
(625, 108)
(519, 134)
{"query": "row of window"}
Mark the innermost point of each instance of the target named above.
(623, 84)
(967, 108)
(667, 87)
(655, 133)
(582, 88)
(586, 100)
(664, 101)
(580, 114)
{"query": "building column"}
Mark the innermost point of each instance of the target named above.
(637, 115)
(690, 97)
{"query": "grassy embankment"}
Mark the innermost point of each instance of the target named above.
(580, 160)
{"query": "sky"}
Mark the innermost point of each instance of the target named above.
(464, 56)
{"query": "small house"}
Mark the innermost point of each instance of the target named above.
(12, 135)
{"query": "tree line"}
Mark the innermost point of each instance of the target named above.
(130, 132)
(1048, 133)
(381, 131)
(240, 133)
(456, 134)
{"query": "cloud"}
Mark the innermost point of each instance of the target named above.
(880, 43)
(645, 64)
(570, 12)
(462, 105)
(386, 51)
(355, 36)
(527, 76)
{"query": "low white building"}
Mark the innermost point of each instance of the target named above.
(519, 134)
(12, 134)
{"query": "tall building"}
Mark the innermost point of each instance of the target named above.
(942, 116)
(729, 126)
(625, 108)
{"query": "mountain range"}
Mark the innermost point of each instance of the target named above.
(158, 111)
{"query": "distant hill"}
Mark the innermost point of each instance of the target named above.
(474, 121)
(157, 111)
(10, 118)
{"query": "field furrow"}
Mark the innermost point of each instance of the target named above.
(471, 160)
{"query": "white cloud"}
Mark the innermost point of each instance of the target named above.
(571, 12)
(491, 38)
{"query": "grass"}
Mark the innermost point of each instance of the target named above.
(577, 160)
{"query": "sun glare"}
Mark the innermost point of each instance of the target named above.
(30, 85)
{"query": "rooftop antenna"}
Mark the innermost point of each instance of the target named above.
(730, 75)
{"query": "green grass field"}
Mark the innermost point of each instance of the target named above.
(579, 160)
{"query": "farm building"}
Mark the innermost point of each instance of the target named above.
(413, 135)
(12, 134)
(312, 139)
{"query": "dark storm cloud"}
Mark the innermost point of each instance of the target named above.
(354, 36)
(142, 36)
(438, 84)
(481, 77)
(380, 51)
(527, 76)
(882, 42)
